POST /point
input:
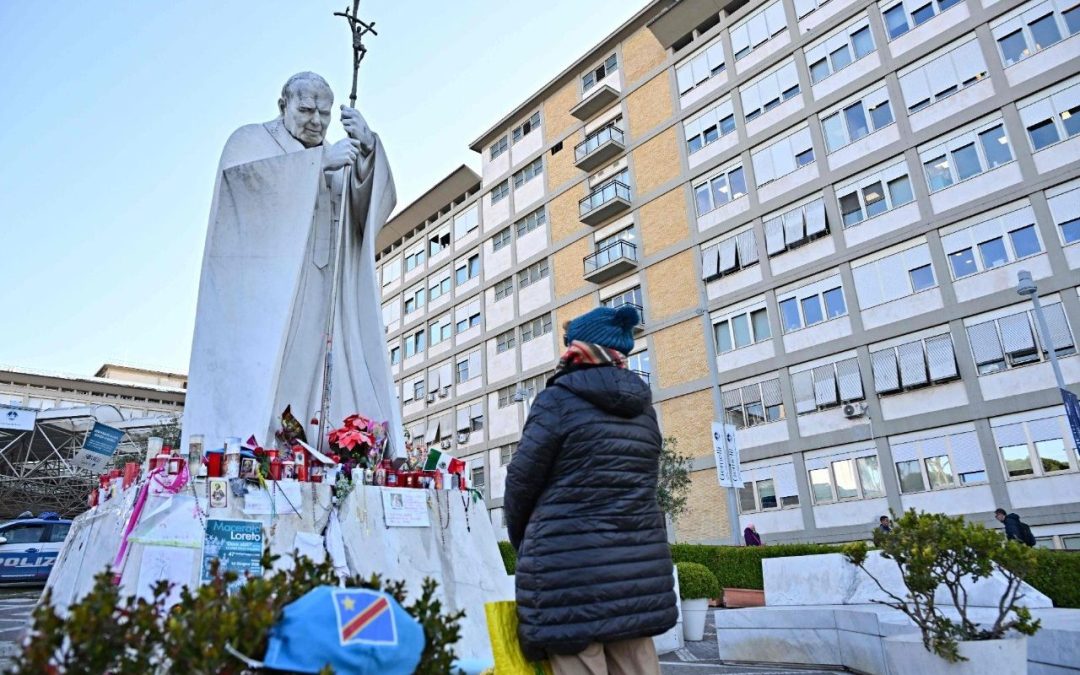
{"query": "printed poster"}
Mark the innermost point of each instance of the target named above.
(98, 448)
(405, 507)
(238, 544)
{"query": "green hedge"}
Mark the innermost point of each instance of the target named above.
(509, 556)
(1058, 577)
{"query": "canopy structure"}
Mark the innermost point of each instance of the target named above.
(36, 473)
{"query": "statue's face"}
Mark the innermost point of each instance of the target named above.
(306, 112)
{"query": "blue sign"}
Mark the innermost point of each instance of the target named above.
(1072, 413)
(237, 544)
(26, 565)
(103, 439)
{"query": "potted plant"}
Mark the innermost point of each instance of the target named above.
(697, 584)
(937, 555)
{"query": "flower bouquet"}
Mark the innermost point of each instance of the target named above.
(359, 442)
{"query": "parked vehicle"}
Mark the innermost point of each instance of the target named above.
(29, 547)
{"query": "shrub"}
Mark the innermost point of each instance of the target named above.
(673, 485)
(934, 550)
(509, 556)
(105, 633)
(697, 581)
(1056, 575)
(740, 566)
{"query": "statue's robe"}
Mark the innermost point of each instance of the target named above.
(264, 293)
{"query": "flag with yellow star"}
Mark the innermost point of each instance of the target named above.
(364, 616)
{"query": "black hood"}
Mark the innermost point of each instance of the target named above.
(615, 390)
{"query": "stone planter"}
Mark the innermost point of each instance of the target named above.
(693, 613)
(743, 597)
(906, 655)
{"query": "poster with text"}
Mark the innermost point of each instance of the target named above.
(237, 544)
(405, 507)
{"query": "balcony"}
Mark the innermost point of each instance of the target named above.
(599, 148)
(640, 327)
(593, 101)
(610, 260)
(605, 202)
(642, 374)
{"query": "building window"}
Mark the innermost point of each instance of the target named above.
(1035, 448)
(903, 16)
(504, 288)
(729, 256)
(419, 389)
(631, 296)
(641, 364)
(527, 127)
(466, 221)
(894, 276)
(711, 125)
(941, 462)
(501, 239)
(701, 67)
(796, 227)
(497, 148)
(528, 172)
(414, 344)
(506, 396)
(807, 307)
(846, 479)
(469, 269)
(719, 189)
(1010, 341)
(589, 80)
(857, 119)
(391, 271)
(1033, 27)
(914, 364)
(438, 242)
(506, 454)
(839, 50)
(500, 192)
(992, 243)
(966, 156)
(414, 260)
(1065, 208)
(532, 221)
(943, 75)
(541, 325)
(874, 194)
(827, 386)
(505, 341)
(439, 288)
(783, 157)
(533, 273)
(747, 327)
(1053, 118)
(414, 299)
(479, 481)
(472, 320)
(753, 404)
(439, 331)
(769, 90)
(756, 30)
(395, 355)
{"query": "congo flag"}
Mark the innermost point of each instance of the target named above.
(364, 616)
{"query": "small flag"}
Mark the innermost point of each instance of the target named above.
(437, 460)
(364, 616)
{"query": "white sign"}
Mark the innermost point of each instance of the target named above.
(405, 507)
(720, 455)
(287, 499)
(726, 453)
(734, 471)
(17, 419)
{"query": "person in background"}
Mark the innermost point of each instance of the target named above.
(1015, 529)
(750, 535)
(885, 524)
(594, 576)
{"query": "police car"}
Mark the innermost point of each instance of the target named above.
(29, 546)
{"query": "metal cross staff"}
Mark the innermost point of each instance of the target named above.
(358, 29)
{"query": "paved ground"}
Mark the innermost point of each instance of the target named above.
(15, 607)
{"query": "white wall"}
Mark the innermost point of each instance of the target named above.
(530, 192)
(890, 221)
(825, 421)
(924, 401)
(953, 501)
(903, 308)
(953, 105)
(953, 16)
(762, 434)
(866, 146)
(977, 187)
(785, 185)
(733, 282)
(854, 512)
(993, 280)
(845, 76)
(789, 260)
(1036, 377)
(738, 358)
(534, 296)
(819, 334)
(538, 352)
(1046, 491)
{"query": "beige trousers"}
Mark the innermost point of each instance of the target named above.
(628, 657)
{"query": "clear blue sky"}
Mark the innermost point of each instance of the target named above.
(115, 113)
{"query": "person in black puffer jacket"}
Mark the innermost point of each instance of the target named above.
(594, 572)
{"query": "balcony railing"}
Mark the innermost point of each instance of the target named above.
(599, 147)
(610, 261)
(640, 312)
(607, 200)
(642, 374)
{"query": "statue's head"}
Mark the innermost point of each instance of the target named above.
(305, 105)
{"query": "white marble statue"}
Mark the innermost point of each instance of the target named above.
(264, 294)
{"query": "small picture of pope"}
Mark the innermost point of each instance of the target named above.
(396, 502)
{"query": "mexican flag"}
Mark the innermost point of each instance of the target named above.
(437, 460)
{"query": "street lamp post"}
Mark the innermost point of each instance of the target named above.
(1026, 287)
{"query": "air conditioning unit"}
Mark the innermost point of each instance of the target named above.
(444, 392)
(431, 397)
(854, 409)
(446, 444)
(462, 437)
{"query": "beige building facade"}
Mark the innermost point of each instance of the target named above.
(821, 209)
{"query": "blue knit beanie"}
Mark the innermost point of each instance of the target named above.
(607, 327)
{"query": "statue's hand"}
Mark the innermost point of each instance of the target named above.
(357, 128)
(342, 153)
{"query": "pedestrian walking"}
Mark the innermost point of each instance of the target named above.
(885, 524)
(1015, 529)
(750, 535)
(594, 573)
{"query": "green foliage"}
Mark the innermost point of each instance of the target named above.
(673, 488)
(509, 556)
(934, 550)
(129, 636)
(1056, 576)
(697, 581)
(740, 566)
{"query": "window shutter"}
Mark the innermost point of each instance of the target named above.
(774, 236)
(803, 386)
(740, 38)
(784, 475)
(904, 452)
(432, 432)
(463, 419)
(985, 346)
(751, 394)
(1016, 334)
(770, 392)
(474, 365)
(732, 399)
(815, 217)
(1045, 429)
(747, 245)
(912, 364)
(942, 360)
(407, 394)
(793, 226)
(1010, 434)
(433, 380)
(885, 373)
(966, 453)
(446, 375)
(1060, 337)
(804, 7)
(1065, 207)
(849, 379)
(774, 18)
(709, 262)
(915, 87)
(968, 60)
(727, 255)
(825, 385)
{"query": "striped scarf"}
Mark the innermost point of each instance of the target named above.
(587, 354)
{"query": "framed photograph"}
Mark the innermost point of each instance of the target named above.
(247, 467)
(217, 490)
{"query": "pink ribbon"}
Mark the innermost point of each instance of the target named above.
(136, 512)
